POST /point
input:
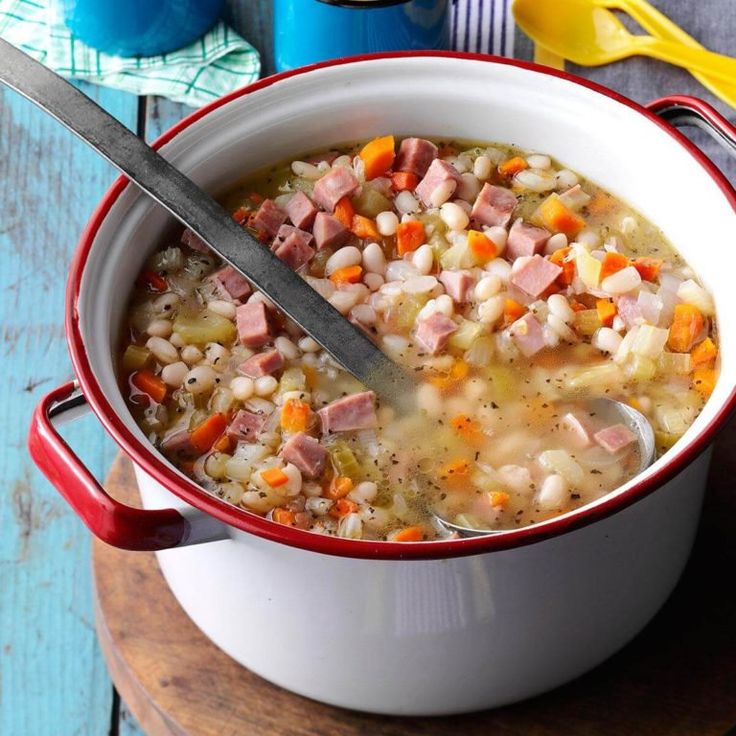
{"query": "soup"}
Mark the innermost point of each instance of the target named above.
(512, 288)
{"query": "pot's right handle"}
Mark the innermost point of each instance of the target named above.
(109, 520)
(684, 110)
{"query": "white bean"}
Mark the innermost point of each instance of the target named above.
(423, 259)
(223, 308)
(162, 350)
(166, 302)
(539, 161)
(306, 170)
(622, 281)
(499, 267)
(561, 307)
(429, 399)
(556, 241)
(491, 310)
(160, 328)
(445, 305)
(487, 287)
(566, 179)
(468, 188)
(606, 340)
(200, 379)
(364, 492)
(318, 506)
(373, 281)
(242, 387)
(419, 284)
(560, 327)
(173, 374)
(308, 345)
(364, 314)
(265, 386)
(374, 260)
(405, 202)
(498, 236)
(287, 348)
(344, 300)
(453, 216)
(553, 492)
(216, 355)
(482, 167)
(342, 258)
(442, 192)
(589, 238)
(177, 340)
(387, 223)
(400, 271)
(191, 354)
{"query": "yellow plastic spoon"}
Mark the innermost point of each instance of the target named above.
(591, 36)
(658, 24)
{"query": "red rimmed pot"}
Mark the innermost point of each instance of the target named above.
(414, 628)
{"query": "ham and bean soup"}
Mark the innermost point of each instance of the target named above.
(513, 289)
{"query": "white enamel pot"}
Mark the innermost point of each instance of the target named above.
(414, 628)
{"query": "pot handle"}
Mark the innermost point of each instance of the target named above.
(684, 110)
(109, 520)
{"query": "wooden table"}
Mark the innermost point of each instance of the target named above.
(52, 678)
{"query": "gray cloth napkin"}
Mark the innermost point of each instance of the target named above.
(712, 22)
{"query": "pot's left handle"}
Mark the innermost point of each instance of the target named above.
(111, 521)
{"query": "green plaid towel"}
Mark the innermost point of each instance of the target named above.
(217, 63)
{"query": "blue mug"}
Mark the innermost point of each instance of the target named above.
(139, 27)
(307, 31)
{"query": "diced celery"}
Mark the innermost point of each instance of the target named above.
(407, 309)
(692, 293)
(371, 202)
(649, 341)
(433, 225)
(560, 461)
(344, 460)
(198, 416)
(640, 368)
(466, 334)
(665, 440)
(481, 351)
(606, 374)
(135, 357)
(575, 198)
(458, 256)
(502, 382)
(469, 521)
(588, 267)
(204, 327)
(587, 321)
(293, 379)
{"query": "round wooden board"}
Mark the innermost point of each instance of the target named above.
(677, 678)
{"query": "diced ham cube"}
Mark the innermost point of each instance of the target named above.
(438, 173)
(629, 309)
(329, 232)
(615, 438)
(525, 240)
(493, 206)
(188, 238)
(305, 453)
(333, 186)
(230, 283)
(269, 218)
(457, 284)
(293, 246)
(577, 428)
(356, 411)
(246, 426)
(178, 442)
(301, 211)
(528, 335)
(262, 364)
(252, 324)
(433, 332)
(415, 155)
(534, 275)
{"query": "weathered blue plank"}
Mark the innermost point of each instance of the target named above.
(52, 677)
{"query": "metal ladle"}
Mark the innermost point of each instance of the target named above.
(633, 419)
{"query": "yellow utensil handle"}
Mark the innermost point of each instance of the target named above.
(706, 62)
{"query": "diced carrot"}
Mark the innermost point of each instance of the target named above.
(482, 248)
(499, 498)
(704, 381)
(408, 534)
(205, 434)
(343, 507)
(558, 218)
(346, 275)
(457, 373)
(224, 444)
(295, 415)
(275, 477)
(241, 215)
(364, 227)
(687, 326)
(255, 197)
(344, 211)
(149, 384)
(404, 181)
(152, 281)
(447, 150)
(468, 429)
(703, 355)
(648, 268)
(512, 311)
(568, 266)
(601, 203)
(612, 263)
(606, 311)
(283, 516)
(512, 166)
(339, 487)
(409, 236)
(456, 472)
(377, 156)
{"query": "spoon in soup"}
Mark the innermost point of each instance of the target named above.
(632, 419)
(348, 345)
